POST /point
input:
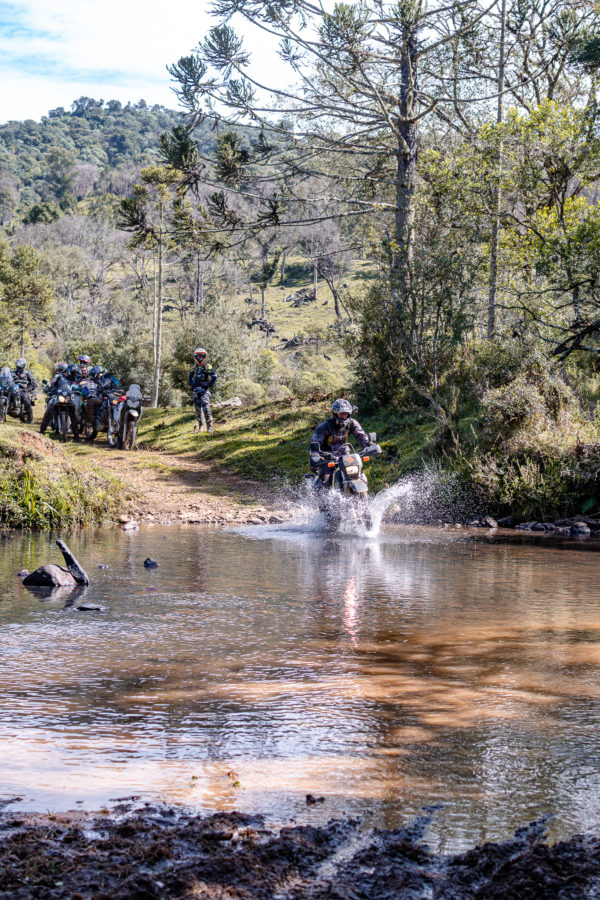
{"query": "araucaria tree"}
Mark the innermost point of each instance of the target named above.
(365, 77)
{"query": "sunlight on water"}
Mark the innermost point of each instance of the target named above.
(258, 665)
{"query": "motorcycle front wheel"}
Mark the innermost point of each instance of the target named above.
(90, 431)
(129, 434)
(3, 410)
(112, 435)
(63, 426)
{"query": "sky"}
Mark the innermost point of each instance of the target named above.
(54, 51)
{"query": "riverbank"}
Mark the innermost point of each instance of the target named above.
(43, 485)
(166, 852)
(540, 476)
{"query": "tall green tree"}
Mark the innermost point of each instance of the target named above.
(25, 292)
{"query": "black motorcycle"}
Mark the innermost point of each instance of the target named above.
(10, 394)
(339, 478)
(64, 401)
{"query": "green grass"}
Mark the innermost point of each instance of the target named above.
(42, 487)
(270, 441)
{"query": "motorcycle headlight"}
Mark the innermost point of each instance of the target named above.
(134, 413)
(62, 399)
(115, 402)
(351, 470)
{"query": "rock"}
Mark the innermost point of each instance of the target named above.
(23, 573)
(50, 576)
(103, 566)
(474, 523)
(150, 563)
(276, 520)
(538, 526)
(563, 531)
(90, 607)
(123, 519)
(232, 402)
(301, 298)
(130, 526)
(526, 526)
(311, 800)
(489, 522)
(580, 528)
(506, 522)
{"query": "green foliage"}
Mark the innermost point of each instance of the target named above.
(41, 488)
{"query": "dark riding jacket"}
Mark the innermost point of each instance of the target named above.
(202, 378)
(25, 380)
(333, 437)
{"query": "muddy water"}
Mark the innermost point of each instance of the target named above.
(256, 666)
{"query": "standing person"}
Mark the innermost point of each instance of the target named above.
(26, 382)
(201, 379)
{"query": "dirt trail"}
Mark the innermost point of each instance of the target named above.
(181, 488)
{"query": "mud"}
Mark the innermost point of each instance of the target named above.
(163, 852)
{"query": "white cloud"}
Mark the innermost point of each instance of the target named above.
(53, 51)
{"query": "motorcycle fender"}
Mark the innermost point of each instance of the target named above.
(358, 487)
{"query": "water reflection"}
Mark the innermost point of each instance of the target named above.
(385, 674)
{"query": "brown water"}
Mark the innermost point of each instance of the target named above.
(254, 667)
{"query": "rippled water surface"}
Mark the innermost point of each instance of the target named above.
(256, 666)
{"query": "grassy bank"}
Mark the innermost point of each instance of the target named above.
(537, 475)
(41, 486)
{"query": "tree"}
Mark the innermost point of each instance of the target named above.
(26, 292)
(145, 215)
(352, 120)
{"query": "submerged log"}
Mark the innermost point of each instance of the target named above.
(78, 573)
(58, 576)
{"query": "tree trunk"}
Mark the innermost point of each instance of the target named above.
(159, 315)
(491, 323)
(154, 323)
(282, 267)
(315, 280)
(23, 336)
(262, 301)
(406, 176)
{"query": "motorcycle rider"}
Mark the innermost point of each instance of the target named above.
(26, 382)
(333, 435)
(201, 379)
(60, 382)
(84, 364)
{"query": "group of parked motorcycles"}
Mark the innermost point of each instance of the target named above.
(115, 412)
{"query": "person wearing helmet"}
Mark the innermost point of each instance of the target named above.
(201, 379)
(60, 382)
(333, 436)
(84, 364)
(26, 382)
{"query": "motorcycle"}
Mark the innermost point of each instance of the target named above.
(339, 478)
(123, 412)
(10, 394)
(131, 415)
(63, 401)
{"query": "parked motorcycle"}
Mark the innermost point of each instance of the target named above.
(341, 478)
(10, 393)
(130, 416)
(64, 401)
(123, 413)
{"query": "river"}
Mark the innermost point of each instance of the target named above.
(259, 665)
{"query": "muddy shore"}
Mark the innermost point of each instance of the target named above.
(162, 852)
